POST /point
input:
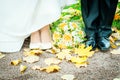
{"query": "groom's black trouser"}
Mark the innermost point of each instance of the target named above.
(98, 16)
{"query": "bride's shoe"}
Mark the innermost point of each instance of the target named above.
(45, 46)
(35, 45)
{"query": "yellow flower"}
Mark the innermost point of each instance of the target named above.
(81, 32)
(56, 36)
(74, 25)
(62, 46)
(62, 25)
(67, 37)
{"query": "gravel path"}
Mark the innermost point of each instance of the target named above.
(102, 66)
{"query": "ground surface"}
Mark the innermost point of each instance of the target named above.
(102, 66)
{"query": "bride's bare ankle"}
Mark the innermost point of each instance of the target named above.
(35, 37)
(45, 34)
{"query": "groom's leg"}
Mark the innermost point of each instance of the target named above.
(90, 14)
(107, 11)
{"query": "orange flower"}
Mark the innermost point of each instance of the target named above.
(67, 37)
(116, 17)
(56, 36)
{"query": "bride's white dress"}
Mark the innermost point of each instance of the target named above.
(19, 18)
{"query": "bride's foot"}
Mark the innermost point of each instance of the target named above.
(45, 46)
(45, 38)
(35, 40)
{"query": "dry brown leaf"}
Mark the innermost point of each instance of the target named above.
(68, 77)
(50, 61)
(31, 59)
(50, 69)
(16, 62)
(1, 55)
(116, 51)
(22, 68)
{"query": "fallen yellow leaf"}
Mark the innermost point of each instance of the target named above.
(36, 67)
(50, 69)
(78, 60)
(113, 45)
(53, 51)
(62, 55)
(33, 52)
(116, 79)
(31, 59)
(22, 68)
(26, 49)
(16, 62)
(1, 55)
(84, 64)
(116, 51)
(118, 43)
(82, 51)
(68, 77)
(50, 61)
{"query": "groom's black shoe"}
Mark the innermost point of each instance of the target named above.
(91, 42)
(103, 43)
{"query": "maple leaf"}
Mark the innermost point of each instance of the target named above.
(16, 62)
(50, 69)
(62, 55)
(113, 45)
(22, 68)
(31, 59)
(118, 43)
(1, 55)
(54, 50)
(83, 64)
(26, 49)
(82, 51)
(78, 60)
(50, 61)
(36, 67)
(68, 77)
(33, 52)
(116, 79)
(116, 51)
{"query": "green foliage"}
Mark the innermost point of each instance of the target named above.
(70, 13)
(116, 23)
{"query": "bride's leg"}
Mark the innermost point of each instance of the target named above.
(45, 34)
(35, 40)
(45, 37)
